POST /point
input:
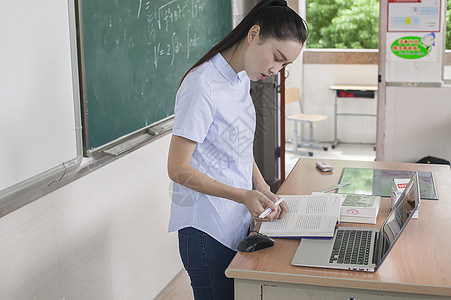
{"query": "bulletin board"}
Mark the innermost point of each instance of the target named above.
(415, 41)
(414, 15)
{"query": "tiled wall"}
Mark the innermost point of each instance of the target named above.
(103, 236)
(418, 123)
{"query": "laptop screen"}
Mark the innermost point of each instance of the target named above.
(398, 218)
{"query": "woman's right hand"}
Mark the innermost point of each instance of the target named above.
(256, 202)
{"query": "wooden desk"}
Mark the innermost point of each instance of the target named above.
(359, 91)
(269, 272)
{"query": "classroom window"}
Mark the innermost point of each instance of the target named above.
(343, 24)
(447, 69)
(448, 26)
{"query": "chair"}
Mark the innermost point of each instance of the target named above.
(291, 95)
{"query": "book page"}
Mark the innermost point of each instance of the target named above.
(309, 215)
(300, 225)
(313, 204)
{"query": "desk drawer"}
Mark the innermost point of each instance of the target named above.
(254, 289)
(292, 292)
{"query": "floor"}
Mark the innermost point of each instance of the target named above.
(364, 152)
(179, 288)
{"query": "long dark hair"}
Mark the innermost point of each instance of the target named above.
(276, 20)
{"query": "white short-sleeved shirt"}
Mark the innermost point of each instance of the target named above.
(214, 109)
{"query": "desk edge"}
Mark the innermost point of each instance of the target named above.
(339, 282)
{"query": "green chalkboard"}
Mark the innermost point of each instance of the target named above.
(135, 52)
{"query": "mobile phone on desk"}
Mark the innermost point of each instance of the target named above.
(324, 166)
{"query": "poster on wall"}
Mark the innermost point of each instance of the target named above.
(413, 46)
(413, 15)
(415, 41)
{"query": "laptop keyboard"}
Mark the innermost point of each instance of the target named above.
(351, 247)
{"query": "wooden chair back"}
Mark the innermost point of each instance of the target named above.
(292, 94)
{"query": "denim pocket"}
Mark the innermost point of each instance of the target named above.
(183, 249)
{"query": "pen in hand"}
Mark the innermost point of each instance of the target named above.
(269, 210)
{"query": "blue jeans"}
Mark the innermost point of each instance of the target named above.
(205, 260)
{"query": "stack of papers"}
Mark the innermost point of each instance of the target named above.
(360, 208)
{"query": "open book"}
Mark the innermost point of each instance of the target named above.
(309, 216)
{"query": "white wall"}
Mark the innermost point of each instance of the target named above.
(314, 81)
(417, 123)
(103, 236)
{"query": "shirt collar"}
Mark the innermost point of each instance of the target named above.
(225, 69)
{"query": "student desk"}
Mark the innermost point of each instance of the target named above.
(418, 266)
(350, 91)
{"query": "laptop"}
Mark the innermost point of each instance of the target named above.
(361, 249)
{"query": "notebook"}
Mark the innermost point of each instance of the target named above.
(372, 245)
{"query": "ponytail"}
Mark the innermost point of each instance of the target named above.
(276, 20)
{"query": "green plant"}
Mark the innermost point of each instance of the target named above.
(448, 26)
(343, 24)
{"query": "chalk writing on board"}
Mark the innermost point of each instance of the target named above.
(161, 19)
(135, 54)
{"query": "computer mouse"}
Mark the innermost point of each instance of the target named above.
(255, 242)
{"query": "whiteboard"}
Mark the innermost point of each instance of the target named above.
(39, 114)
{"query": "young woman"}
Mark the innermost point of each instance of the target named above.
(218, 188)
